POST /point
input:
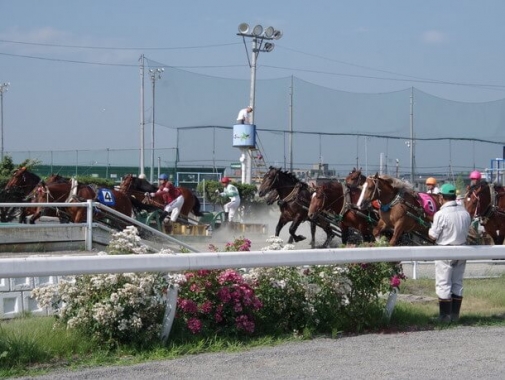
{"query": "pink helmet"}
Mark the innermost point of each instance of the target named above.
(475, 175)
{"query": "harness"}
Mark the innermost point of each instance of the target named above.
(419, 214)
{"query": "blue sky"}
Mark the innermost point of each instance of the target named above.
(73, 65)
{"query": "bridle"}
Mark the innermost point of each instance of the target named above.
(475, 200)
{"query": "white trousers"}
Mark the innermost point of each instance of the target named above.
(175, 207)
(449, 278)
(232, 207)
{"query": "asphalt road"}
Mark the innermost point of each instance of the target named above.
(454, 353)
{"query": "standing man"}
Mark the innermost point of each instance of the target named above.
(244, 116)
(230, 191)
(450, 227)
(172, 198)
(431, 184)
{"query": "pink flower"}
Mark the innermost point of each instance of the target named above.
(203, 272)
(194, 325)
(206, 307)
(395, 281)
(243, 323)
(194, 288)
(188, 306)
(224, 295)
(189, 275)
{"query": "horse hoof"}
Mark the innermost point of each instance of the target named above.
(299, 238)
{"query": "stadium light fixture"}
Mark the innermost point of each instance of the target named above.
(260, 42)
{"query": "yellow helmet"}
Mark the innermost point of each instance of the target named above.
(431, 181)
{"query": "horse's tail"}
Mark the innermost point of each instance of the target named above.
(196, 207)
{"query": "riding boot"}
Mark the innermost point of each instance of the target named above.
(163, 215)
(445, 306)
(456, 307)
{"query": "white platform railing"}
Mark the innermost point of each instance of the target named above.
(73, 265)
(91, 206)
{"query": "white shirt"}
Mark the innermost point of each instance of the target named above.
(244, 115)
(435, 190)
(450, 224)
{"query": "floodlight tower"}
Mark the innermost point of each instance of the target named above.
(155, 74)
(3, 88)
(260, 42)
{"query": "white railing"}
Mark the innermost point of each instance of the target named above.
(91, 206)
(73, 265)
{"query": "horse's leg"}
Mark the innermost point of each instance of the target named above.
(281, 223)
(293, 228)
(329, 235)
(312, 234)
(36, 215)
(379, 229)
(345, 233)
(399, 228)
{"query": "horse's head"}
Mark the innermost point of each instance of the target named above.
(17, 178)
(371, 191)
(355, 178)
(478, 199)
(23, 179)
(317, 201)
(269, 181)
(127, 183)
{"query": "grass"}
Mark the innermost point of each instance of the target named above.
(31, 346)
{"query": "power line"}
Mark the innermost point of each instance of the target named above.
(118, 48)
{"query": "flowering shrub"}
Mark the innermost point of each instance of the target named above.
(110, 308)
(322, 298)
(212, 301)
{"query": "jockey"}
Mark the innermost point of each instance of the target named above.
(172, 197)
(475, 178)
(230, 191)
(431, 184)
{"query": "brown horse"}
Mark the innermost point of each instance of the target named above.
(400, 207)
(18, 189)
(71, 191)
(136, 188)
(499, 196)
(340, 206)
(355, 178)
(480, 206)
(294, 200)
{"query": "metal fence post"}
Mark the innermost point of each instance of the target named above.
(89, 226)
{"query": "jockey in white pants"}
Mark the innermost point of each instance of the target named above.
(230, 191)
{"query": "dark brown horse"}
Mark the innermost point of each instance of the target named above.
(339, 204)
(400, 207)
(294, 200)
(71, 191)
(18, 189)
(480, 206)
(136, 188)
(499, 196)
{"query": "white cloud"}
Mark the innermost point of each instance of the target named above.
(434, 37)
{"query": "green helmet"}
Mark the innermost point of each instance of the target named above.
(448, 189)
